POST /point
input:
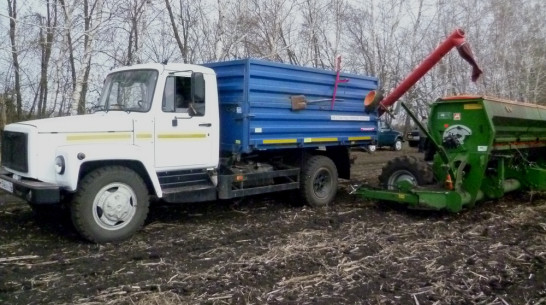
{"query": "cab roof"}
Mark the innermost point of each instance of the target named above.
(167, 67)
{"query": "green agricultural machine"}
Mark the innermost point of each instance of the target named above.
(482, 147)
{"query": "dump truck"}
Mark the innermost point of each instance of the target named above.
(480, 147)
(190, 133)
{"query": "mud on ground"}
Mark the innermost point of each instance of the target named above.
(272, 250)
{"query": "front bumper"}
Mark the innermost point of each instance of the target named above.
(34, 192)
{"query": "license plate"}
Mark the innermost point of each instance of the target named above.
(6, 185)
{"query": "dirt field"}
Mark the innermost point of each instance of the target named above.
(273, 250)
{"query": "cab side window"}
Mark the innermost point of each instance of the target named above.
(177, 94)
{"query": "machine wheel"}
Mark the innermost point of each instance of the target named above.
(397, 146)
(111, 204)
(319, 181)
(406, 168)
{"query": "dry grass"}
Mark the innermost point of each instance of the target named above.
(269, 250)
(485, 256)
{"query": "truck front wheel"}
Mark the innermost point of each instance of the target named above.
(319, 181)
(397, 146)
(111, 204)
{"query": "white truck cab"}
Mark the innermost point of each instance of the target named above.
(150, 119)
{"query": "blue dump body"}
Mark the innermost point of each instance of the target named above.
(256, 110)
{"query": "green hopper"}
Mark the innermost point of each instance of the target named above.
(482, 148)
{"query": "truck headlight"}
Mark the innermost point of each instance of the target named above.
(59, 165)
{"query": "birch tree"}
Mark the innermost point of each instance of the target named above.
(92, 22)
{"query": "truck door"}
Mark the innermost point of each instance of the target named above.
(385, 135)
(183, 141)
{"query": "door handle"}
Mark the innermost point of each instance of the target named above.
(205, 124)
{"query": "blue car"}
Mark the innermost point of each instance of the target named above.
(388, 137)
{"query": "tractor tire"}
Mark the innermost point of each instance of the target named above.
(406, 168)
(111, 204)
(319, 181)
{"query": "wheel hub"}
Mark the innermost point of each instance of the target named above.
(399, 176)
(117, 206)
(321, 183)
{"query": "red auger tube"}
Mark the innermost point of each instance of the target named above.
(456, 39)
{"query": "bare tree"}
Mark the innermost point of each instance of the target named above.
(182, 46)
(58, 65)
(376, 42)
(322, 30)
(519, 60)
(47, 25)
(267, 29)
(221, 31)
(68, 12)
(7, 105)
(12, 11)
(135, 13)
(92, 21)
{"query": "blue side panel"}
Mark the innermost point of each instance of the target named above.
(256, 110)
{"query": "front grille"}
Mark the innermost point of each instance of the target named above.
(15, 151)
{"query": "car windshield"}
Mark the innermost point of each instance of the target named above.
(128, 91)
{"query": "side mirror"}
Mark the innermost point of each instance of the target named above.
(197, 87)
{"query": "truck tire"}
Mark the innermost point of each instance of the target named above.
(111, 204)
(319, 181)
(406, 168)
(397, 146)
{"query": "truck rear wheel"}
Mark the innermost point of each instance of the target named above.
(111, 204)
(319, 181)
(407, 168)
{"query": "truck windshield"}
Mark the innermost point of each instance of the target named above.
(128, 91)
